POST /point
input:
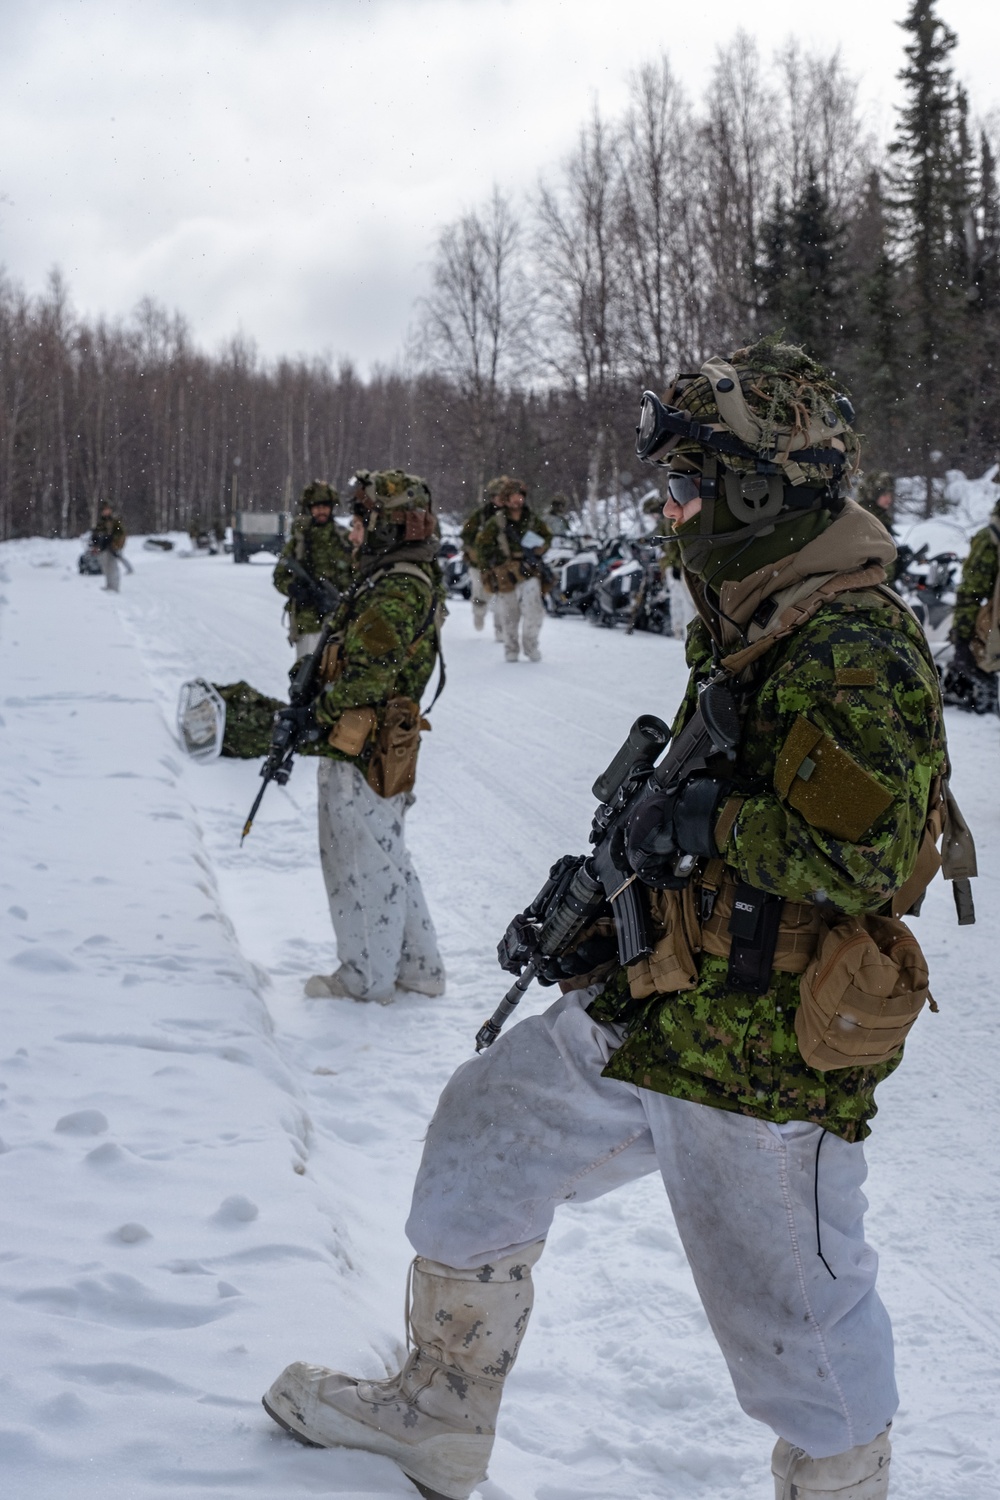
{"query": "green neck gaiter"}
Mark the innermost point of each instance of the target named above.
(732, 563)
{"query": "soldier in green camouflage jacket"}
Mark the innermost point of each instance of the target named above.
(979, 578)
(689, 1063)
(319, 547)
(471, 527)
(512, 570)
(384, 649)
(108, 539)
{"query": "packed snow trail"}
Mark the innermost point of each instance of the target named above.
(206, 1175)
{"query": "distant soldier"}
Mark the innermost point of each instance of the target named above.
(977, 616)
(107, 539)
(473, 525)
(558, 516)
(876, 494)
(316, 553)
(384, 648)
(510, 548)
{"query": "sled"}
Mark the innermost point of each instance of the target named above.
(201, 719)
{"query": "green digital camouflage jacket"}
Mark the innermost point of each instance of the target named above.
(325, 553)
(490, 541)
(109, 532)
(472, 526)
(859, 673)
(979, 576)
(388, 627)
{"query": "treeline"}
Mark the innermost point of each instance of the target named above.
(672, 232)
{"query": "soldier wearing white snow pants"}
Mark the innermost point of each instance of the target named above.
(735, 1039)
(108, 538)
(510, 548)
(384, 644)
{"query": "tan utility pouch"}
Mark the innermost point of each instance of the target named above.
(330, 664)
(671, 966)
(985, 642)
(393, 766)
(506, 577)
(353, 730)
(861, 994)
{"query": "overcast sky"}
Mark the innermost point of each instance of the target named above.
(282, 168)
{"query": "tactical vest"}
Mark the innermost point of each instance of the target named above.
(387, 735)
(703, 917)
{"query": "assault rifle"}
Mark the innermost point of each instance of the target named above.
(318, 592)
(580, 886)
(288, 733)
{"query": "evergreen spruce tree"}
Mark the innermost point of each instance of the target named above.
(929, 199)
(875, 317)
(775, 266)
(814, 302)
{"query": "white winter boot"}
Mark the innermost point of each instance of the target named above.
(859, 1474)
(437, 1418)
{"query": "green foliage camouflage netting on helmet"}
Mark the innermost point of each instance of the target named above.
(318, 493)
(786, 391)
(385, 498)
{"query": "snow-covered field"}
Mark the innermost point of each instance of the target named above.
(205, 1175)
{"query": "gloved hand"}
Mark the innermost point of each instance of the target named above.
(669, 823)
(300, 592)
(589, 954)
(296, 723)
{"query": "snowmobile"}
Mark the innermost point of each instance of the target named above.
(652, 606)
(573, 576)
(454, 570)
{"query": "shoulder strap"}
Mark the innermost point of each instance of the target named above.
(412, 570)
(795, 612)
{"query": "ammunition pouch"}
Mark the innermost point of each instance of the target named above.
(861, 993)
(352, 731)
(504, 578)
(393, 765)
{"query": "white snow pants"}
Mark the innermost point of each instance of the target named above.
(385, 936)
(306, 644)
(523, 608)
(110, 569)
(480, 598)
(531, 1123)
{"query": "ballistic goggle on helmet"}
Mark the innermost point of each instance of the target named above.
(391, 501)
(766, 430)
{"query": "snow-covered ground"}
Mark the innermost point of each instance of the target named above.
(205, 1175)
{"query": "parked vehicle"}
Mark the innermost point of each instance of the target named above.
(259, 531)
(454, 569)
(573, 576)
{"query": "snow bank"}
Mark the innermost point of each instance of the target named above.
(206, 1176)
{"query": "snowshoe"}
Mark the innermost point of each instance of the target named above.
(201, 719)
